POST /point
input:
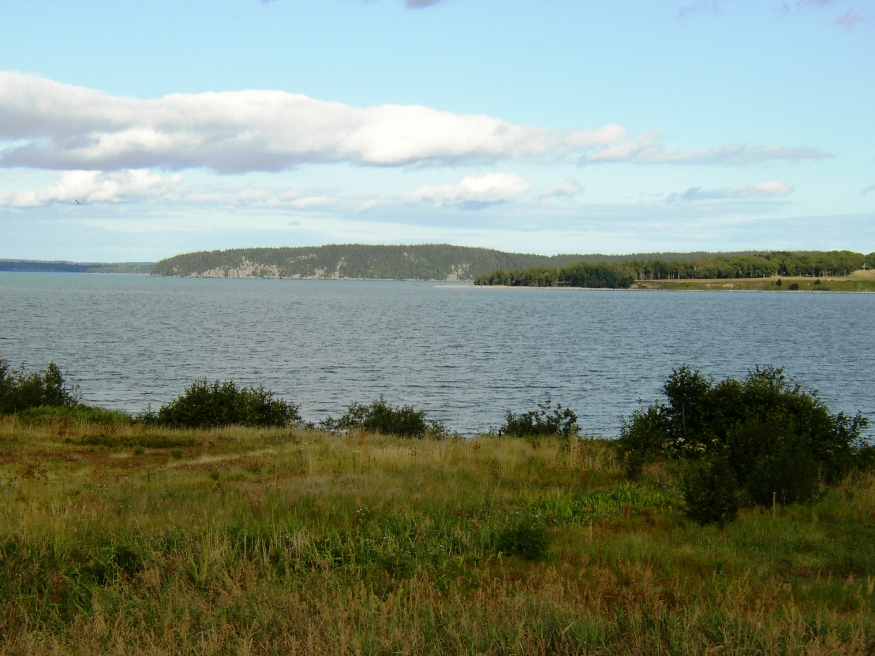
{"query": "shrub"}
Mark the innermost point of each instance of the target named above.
(793, 286)
(774, 436)
(209, 405)
(20, 391)
(380, 417)
(710, 491)
(546, 420)
(527, 538)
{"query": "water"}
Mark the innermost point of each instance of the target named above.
(464, 354)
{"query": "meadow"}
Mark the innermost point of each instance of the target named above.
(118, 537)
(858, 281)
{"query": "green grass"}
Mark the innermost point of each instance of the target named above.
(851, 283)
(295, 541)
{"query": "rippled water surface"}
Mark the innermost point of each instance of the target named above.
(465, 354)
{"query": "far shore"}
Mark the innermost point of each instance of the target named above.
(859, 282)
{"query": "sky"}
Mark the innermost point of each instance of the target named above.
(134, 131)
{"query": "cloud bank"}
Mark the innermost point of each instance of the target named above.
(49, 125)
(83, 187)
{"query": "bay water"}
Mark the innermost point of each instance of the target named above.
(464, 354)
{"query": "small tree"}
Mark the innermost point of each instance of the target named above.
(380, 417)
(775, 437)
(546, 420)
(20, 391)
(710, 491)
(209, 405)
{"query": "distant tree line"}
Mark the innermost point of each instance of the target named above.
(443, 262)
(581, 274)
(621, 275)
(355, 261)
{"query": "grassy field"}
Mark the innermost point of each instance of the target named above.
(859, 281)
(117, 538)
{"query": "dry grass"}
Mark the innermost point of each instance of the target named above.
(129, 540)
(852, 283)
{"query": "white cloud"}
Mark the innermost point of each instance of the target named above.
(48, 125)
(567, 188)
(56, 126)
(648, 149)
(84, 187)
(763, 190)
(475, 191)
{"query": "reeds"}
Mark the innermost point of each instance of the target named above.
(127, 539)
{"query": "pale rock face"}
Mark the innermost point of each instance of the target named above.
(247, 269)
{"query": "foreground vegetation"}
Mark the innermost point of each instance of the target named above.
(121, 538)
(121, 535)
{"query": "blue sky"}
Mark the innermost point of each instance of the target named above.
(547, 126)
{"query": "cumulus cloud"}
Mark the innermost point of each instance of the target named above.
(84, 187)
(648, 149)
(567, 188)
(475, 192)
(763, 190)
(49, 125)
(56, 126)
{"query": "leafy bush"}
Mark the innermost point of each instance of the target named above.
(380, 417)
(20, 391)
(793, 286)
(209, 405)
(774, 436)
(527, 538)
(710, 491)
(546, 420)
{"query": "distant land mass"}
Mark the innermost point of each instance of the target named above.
(366, 262)
(42, 266)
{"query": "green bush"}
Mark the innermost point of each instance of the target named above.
(526, 538)
(209, 405)
(544, 421)
(710, 491)
(793, 286)
(774, 436)
(20, 391)
(380, 417)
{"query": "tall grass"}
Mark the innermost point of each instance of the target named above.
(130, 539)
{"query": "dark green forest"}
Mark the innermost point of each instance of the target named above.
(446, 262)
(621, 274)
